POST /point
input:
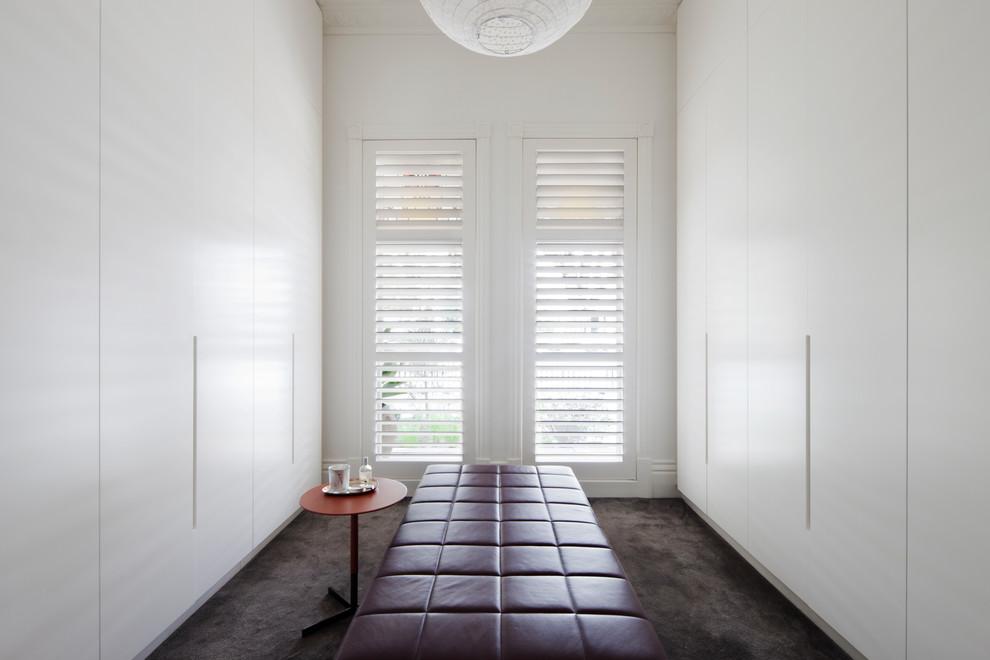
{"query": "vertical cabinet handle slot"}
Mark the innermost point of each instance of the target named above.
(706, 398)
(195, 421)
(807, 431)
(292, 405)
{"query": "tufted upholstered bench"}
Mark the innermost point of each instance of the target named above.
(500, 562)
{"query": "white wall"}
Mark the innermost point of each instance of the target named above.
(424, 80)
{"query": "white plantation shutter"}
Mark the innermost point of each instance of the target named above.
(420, 350)
(580, 222)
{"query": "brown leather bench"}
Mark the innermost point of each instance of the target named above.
(500, 562)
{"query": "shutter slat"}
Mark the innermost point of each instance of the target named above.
(579, 264)
(544, 190)
(416, 225)
(397, 274)
(420, 168)
(583, 180)
(421, 437)
(582, 202)
(431, 344)
(418, 182)
(409, 257)
(388, 317)
(437, 215)
(392, 332)
(569, 350)
(554, 307)
(413, 158)
(416, 203)
(545, 156)
(576, 275)
(568, 249)
(580, 167)
(416, 196)
(447, 301)
(609, 216)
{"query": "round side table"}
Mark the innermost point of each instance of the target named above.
(388, 493)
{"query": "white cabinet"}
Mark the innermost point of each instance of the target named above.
(287, 261)
(867, 309)
(136, 156)
(857, 310)
(778, 292)
(692, 458)
(49, 329)
(146, 322)
(222, 87)
(307, 246)
(711, 275)
(949, 356)
(726, 294)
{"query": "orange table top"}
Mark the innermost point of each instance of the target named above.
(389, 492)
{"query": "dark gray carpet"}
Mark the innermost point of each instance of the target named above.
(705, 601)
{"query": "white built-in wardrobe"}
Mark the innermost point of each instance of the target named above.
(160, 251)
(833, 277)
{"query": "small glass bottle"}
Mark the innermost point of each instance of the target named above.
(364, 473)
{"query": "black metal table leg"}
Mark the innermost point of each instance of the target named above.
(351, 606)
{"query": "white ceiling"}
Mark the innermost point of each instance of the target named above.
(408, 16)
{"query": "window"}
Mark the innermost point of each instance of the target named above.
(579, 229)
(531, 358)
(420, 200)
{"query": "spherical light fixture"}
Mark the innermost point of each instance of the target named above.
(505, 27)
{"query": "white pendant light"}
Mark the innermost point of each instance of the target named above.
(505, 27)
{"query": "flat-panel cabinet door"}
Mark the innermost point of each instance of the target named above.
(727, 442)
(692, 459)
(146, 377)
(857, 317)
(274, 440)
(223, 89)
(778, 292)
(49, 329)
(307, 358)
(274, 354)
(949, 355)
(287, 138)
(307, 248)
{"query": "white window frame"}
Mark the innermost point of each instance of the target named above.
(638, 205)
(372, 141)
(505, 382)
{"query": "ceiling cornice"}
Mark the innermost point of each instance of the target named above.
(409, 17)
